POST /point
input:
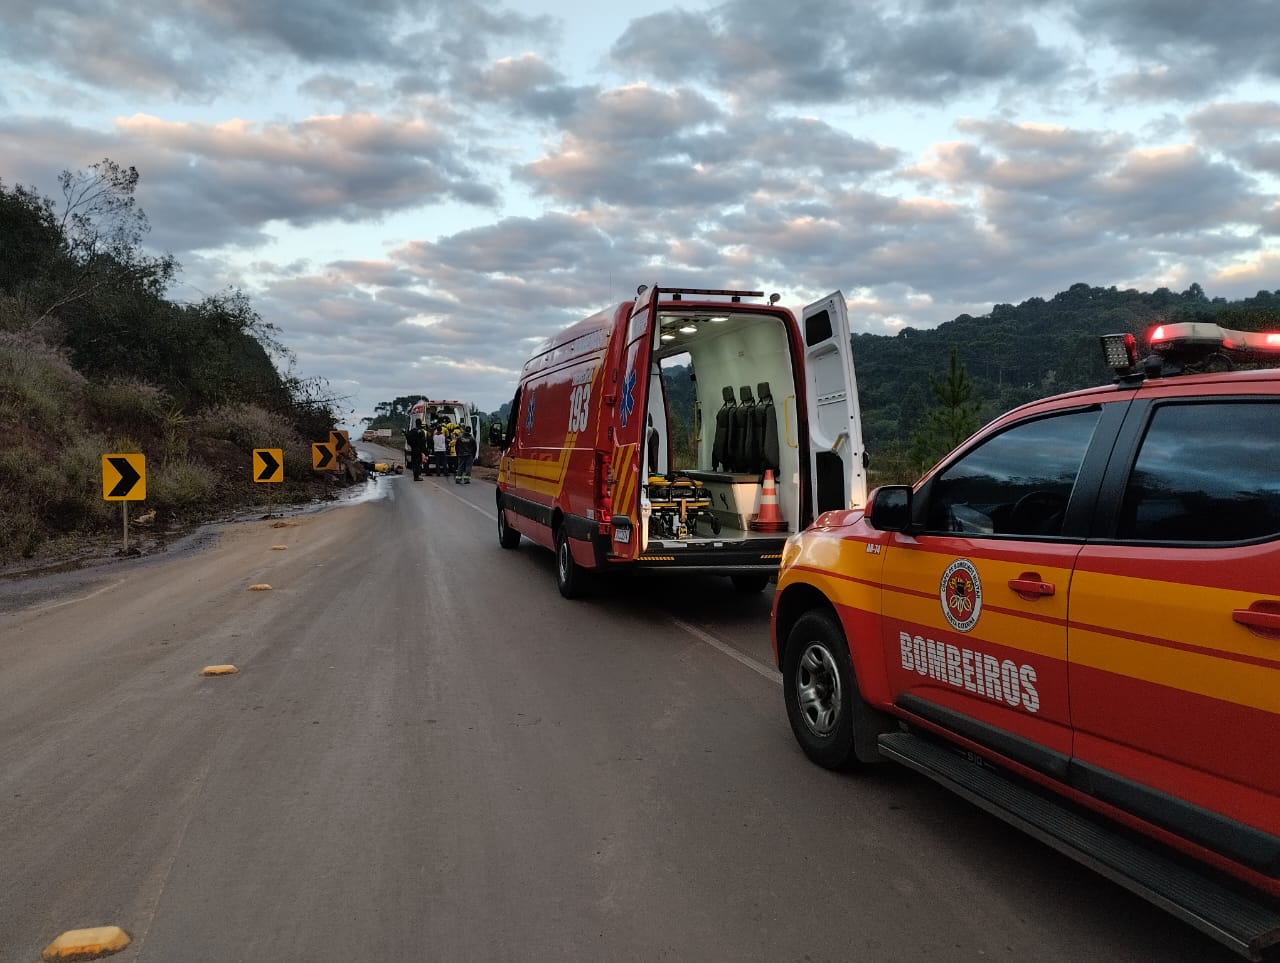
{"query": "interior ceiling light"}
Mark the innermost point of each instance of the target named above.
(689, 329)
(717, 320)
(667, 336)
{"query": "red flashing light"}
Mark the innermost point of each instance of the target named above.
(1273, 339)
(1158, 333)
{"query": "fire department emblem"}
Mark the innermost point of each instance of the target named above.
(961, 595)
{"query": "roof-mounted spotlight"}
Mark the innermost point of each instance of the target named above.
(640, 290)
(775, 298)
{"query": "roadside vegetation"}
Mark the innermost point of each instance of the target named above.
(95, 360)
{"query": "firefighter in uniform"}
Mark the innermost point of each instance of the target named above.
(417, 439)
(466, 448)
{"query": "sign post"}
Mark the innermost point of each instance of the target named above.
(124, 479)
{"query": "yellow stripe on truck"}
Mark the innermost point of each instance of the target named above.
(1192, 614)
(1202, 673)
(542, 475)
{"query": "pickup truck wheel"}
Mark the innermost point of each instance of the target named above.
(750, 583)
(571, 578)
(508, 537)
(820, 691)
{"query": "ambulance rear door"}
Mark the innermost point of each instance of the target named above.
(837, 459)
(625, 433)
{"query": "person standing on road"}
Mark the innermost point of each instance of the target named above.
(417, 439)
(466, 448)
(454, 434)
(440, 449)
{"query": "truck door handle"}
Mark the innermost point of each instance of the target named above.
(1030, 587)
(1262, 617)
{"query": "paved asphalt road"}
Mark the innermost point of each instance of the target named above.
(427, 754)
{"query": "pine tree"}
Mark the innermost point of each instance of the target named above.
(951, 420)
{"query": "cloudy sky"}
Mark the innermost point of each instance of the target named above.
(418, 191)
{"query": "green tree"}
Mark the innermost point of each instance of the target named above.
(31, 241)
(953, 418)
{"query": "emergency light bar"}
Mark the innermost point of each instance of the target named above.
(676, 293)
(1165, 336)
(1191, 346)
(1203, 343)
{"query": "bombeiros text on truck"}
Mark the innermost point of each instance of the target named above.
(1073, 621)
(593, 469)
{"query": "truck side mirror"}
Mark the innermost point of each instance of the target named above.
(889, 508)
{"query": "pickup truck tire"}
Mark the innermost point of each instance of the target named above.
(508, 537)
(821, 691)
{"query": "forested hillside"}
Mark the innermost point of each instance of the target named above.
(1021, 352)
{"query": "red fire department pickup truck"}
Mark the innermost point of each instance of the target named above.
(1073, 620)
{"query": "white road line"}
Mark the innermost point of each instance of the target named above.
(80, 598)
(768, 672)
(492, 516)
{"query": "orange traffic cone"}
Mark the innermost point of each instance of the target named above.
(768, 519)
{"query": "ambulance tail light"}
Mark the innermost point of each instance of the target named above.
(604, 490)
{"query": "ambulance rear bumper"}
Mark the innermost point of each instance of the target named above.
(719, 556)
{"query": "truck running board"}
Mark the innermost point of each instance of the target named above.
(1247, 925)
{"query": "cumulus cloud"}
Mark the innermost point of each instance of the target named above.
(814, 52)
(190, 49)
(1228, 41)
(796, 148)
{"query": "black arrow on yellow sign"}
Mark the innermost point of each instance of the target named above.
(272, 462)
(322, 456)
(339, 440)
(128, 470)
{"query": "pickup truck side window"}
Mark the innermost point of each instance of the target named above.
(1016, 483)
(1206, 472)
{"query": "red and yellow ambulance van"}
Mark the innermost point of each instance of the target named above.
(591, 469)
(1073, 620)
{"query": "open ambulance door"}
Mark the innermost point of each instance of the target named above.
(837, 470)
(644, 315)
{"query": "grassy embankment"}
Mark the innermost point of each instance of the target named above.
(56, 424)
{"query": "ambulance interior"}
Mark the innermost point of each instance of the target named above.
(743, 422)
